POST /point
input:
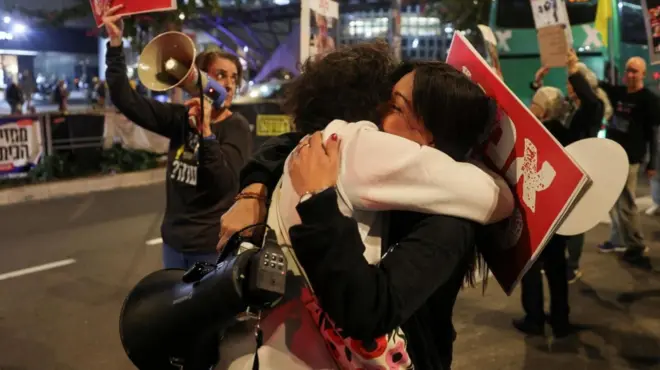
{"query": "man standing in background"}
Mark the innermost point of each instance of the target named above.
(633, 126)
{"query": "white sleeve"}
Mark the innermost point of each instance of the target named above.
(382, 172)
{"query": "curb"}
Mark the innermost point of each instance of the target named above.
(68, 188)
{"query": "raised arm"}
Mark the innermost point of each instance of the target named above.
(161, 118)
(381, 172)
(150, 114)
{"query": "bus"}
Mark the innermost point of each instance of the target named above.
(513, 24)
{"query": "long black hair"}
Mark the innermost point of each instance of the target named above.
(459, 115)
(455, 110)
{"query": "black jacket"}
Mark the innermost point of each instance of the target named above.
(587, 119)
(414, 287)
(202, 180)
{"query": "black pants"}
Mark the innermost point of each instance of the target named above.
(575, 244)
(553, 262)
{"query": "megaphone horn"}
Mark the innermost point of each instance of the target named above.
(168, 61)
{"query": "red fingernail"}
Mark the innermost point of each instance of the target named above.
(333, 137)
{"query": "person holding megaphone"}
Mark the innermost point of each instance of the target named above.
(208, 142)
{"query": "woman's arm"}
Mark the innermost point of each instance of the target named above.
(589, 103)
(267, 164)
(150, 114)
(380, 172)
(367, 301)
(257, 180)
(222, 158)
(587, 96)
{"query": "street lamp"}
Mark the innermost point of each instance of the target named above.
(19, 28)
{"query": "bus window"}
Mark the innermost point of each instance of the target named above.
(632, 23)
(518, 13)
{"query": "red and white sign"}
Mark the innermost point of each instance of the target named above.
(545, 179)
(130, 7)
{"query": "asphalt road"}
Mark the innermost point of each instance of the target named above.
(65, 318)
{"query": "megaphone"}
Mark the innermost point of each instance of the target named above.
(168, 61)
(171, 316)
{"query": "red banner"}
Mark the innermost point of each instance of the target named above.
(545, 179)
(130, 7)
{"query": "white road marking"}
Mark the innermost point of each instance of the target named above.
(35, 269)
(156, 241)
(642, 204)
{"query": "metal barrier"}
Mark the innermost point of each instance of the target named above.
(80, 135)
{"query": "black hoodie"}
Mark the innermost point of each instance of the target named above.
(202, 184)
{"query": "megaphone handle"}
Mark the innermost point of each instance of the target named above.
(197, 123)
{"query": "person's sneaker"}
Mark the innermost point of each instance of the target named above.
(573, 275)
(529, 327)
(637, 258)
(652, 210)
(608, 247)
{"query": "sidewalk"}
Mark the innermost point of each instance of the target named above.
(620, 306)
(59, 189)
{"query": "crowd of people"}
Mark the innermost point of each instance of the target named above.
(377, 197)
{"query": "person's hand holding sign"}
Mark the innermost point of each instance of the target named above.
(572, 62)
(114, 25)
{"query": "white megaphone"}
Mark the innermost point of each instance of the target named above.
(168, 61)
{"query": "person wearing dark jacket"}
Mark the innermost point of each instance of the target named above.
(15, 98)
(406, 289)
(549, 106)
(583, 118)
(202, 167)
(633, 126)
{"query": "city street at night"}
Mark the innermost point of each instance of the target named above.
(67, 264)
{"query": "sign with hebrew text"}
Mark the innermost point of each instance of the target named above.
(543, 176)
(20, 146)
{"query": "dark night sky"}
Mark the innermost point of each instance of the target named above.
(47, 5)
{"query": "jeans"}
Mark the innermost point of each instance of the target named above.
(173, 259)
(553, 261)
(655, 189)
(626, 228)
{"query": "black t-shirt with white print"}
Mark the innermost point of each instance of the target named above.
(202, 174)
(632, 125)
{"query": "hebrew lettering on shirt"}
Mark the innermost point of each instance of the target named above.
(534, 180)
(184, 173)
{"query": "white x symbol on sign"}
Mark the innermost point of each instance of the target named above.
(592, 37)
(502, 39)
(534, 180)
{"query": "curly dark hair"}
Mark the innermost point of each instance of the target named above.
(350, 83)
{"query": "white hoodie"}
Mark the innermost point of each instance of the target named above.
(378, 172)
